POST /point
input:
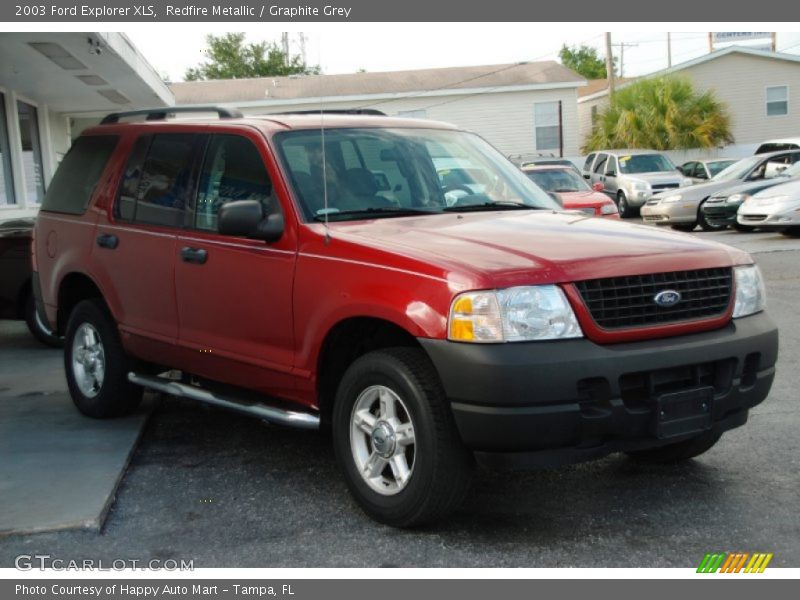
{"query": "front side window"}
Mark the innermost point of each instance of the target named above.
(545, 118)
(157, 180)
(391, 172)
(588, 164)
(600, 166)
(77, 175)
(28, 119)
(6, 176)
(558, 180)
(232, 170)
(777, 101)
(612, 165)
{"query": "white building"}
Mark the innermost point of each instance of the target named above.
(521, 108)
(47, 80)
(761, 90)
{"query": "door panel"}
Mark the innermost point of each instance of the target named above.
(234, 294)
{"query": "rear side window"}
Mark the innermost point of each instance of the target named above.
(157, 180)
(78, 174)
(588, 164)
(232, 170)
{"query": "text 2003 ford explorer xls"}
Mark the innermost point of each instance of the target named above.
(316, 269)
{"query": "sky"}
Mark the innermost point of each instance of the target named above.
(346, 48)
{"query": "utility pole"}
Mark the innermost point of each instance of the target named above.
(710, 42)
(622, 46)
(609, 65)
(285, 46)
(669, 50)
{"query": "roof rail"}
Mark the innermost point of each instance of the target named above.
(159, 114)
(336, 111)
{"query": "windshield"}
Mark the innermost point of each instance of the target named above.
(739, 169)
(718, 165)
(558, 180)
(645, 163)
(374, 172)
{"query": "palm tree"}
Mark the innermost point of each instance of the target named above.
(663, 113)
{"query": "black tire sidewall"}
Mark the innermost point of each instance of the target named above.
(117, 396)
(622, 205)
(378, 369)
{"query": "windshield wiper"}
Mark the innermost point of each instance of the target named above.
(375, 211)
(498, 205)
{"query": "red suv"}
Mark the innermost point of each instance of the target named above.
(312, 269)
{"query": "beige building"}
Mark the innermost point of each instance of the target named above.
(761, 89)
(521, 108)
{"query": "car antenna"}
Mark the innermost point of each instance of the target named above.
(324, 161)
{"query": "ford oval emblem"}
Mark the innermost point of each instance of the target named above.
(667, 298)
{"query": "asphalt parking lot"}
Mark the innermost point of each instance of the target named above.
(228, 491)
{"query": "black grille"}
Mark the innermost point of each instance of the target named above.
(660, 187)
(623, 302)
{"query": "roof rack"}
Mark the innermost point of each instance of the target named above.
(159, 114)
(336, 111)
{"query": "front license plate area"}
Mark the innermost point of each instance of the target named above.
(683, 413)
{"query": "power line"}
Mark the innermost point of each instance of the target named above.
(469, 79)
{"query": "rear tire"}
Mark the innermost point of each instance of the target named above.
(679, 451)
(37, 327)
(396, 441)
(96, 365)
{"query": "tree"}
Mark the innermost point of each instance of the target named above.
(584, 61)
(229, 57)
(663, 113)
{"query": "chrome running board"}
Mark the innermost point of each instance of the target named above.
(290, 418)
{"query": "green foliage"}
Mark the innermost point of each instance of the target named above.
(584, 61)
(229, 57)
(663, 113)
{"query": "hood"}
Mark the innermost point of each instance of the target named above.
(583, 199)
(657, 177)
(500, 249)
(698, 192)
(789, 187)
(751, 187)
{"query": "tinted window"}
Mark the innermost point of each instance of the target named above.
(6, 179)
(78, 173)
(588, 164)
(126, 202)
(232, 170)
(161, 189)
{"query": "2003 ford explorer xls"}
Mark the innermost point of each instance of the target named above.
(315, 270)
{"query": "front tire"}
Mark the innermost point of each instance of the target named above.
(96, 364)
(685, 227)
(743, 228)
(396, 441)
(624, 208)
(678, 451)
(705, 225)
(791, 232)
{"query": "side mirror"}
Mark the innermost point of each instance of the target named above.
(680, 170)
(246, 218)
(598, 187)
(611, 173)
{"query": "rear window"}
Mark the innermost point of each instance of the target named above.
(776, 147)
(78, 173)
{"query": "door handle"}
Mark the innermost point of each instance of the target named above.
(107, 240)
(194, 255)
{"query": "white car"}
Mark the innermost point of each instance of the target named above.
(776, 208)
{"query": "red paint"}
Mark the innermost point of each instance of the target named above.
(257, 314)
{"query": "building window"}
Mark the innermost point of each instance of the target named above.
(6, 178)
(27, 116)
(413, 114)
(777, 101)
(545, 119)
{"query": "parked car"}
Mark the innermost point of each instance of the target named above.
(774, 209)
(721, 208)
(550, 162)
(703, 170)
(252, 263)
(16, 291)
(778, 145)
(682, 209)
(573, 190)
(631, 177)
